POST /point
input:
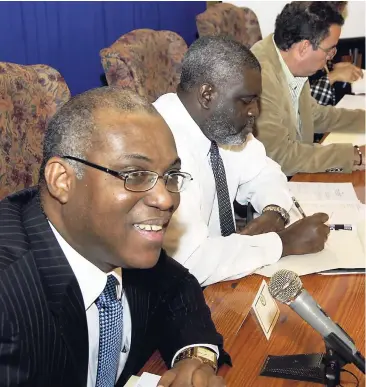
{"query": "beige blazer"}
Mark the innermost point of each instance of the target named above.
(277, 122)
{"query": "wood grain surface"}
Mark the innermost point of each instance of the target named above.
(341, 297)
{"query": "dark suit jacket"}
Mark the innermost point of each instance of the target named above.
(43, 328)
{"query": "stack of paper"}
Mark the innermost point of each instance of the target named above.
(348, 137)
(145, 380)
(344, 249)
(359, 86)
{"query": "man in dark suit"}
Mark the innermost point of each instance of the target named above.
(69, 315)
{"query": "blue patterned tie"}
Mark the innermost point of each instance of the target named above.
(227, 224)
(110, 334)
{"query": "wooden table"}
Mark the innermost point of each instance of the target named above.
(342, 297)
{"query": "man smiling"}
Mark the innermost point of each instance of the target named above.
(109, 184)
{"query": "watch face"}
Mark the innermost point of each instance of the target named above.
(206, 353)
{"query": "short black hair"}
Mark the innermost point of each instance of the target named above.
(303, 20)
(70, 130)
(214, 60)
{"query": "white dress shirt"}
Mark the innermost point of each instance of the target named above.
(92, 282)
(194, 237)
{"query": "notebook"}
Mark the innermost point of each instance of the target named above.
(344, 249)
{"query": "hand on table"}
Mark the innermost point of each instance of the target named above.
(269, 221)
(356, 159)
(345, 72)
(191, 373)
(305, 236)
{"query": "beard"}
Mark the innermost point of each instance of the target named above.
(219, 128)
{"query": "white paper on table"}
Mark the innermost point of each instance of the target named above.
(352, 102)
(342, 250)
(359, 87)
(132, 381)
(148, 380)
(320, 192)
(345, 138)
(339, 213)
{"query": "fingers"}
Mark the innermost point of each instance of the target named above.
(216, 381)
(167, 379)
(200, 378)
(320, 217)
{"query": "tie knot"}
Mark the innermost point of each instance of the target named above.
(109, 293)
(214, 147)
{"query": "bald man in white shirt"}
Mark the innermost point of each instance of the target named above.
(215, 108)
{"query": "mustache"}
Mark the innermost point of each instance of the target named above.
(250, 123)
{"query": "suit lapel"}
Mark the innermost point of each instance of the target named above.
(60, 286)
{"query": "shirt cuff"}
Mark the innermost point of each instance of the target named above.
(214, 348)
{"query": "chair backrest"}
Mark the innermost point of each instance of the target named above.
(147, 61)
(226, 19)
(29, 96)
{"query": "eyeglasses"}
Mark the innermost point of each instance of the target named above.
(142, 181)
(329, 51)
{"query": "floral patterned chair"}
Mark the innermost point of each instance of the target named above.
(226, 19)
(29, 96)
(145, 60)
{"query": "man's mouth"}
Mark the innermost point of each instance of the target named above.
(153, 230)
(148, 227)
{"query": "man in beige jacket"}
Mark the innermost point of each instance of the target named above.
(306, 35)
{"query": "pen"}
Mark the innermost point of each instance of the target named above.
(347, 227)
(297, 205)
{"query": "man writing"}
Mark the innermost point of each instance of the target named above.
(68, 315)
(305, 37)
(212, 118)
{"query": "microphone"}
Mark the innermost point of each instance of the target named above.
(286, 287)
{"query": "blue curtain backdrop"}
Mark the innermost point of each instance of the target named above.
(69, 35)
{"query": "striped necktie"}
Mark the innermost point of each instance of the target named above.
(110, 334)
(227, 224)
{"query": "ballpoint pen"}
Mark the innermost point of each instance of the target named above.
(297, 205)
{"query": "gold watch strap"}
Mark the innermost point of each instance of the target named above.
(204, 354)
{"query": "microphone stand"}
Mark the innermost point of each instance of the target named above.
(323, 368)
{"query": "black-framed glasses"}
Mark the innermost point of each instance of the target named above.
(142, 181)
(330, 52)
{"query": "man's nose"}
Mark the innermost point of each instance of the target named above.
(160, 197)
(253, 110)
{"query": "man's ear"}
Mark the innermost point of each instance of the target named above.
(59, 177)
(206, 94)
(303, 48)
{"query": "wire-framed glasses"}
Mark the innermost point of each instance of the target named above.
(142, 181)
(330, 52)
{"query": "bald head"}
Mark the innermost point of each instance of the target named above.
(71, 129)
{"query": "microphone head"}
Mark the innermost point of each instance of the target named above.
(284, 285)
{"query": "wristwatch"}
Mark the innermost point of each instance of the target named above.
(280, 211)
(205, 355)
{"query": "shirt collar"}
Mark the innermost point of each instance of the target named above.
(91, 279)
(195, 132)
(292, 81)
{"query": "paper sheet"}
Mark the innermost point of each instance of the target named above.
(132, 381)
(145, 380)
(345, 138)
(349, 137)
(359, 87)
(352, 102)
(148, 380)
(343, 249)
(320, 192)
